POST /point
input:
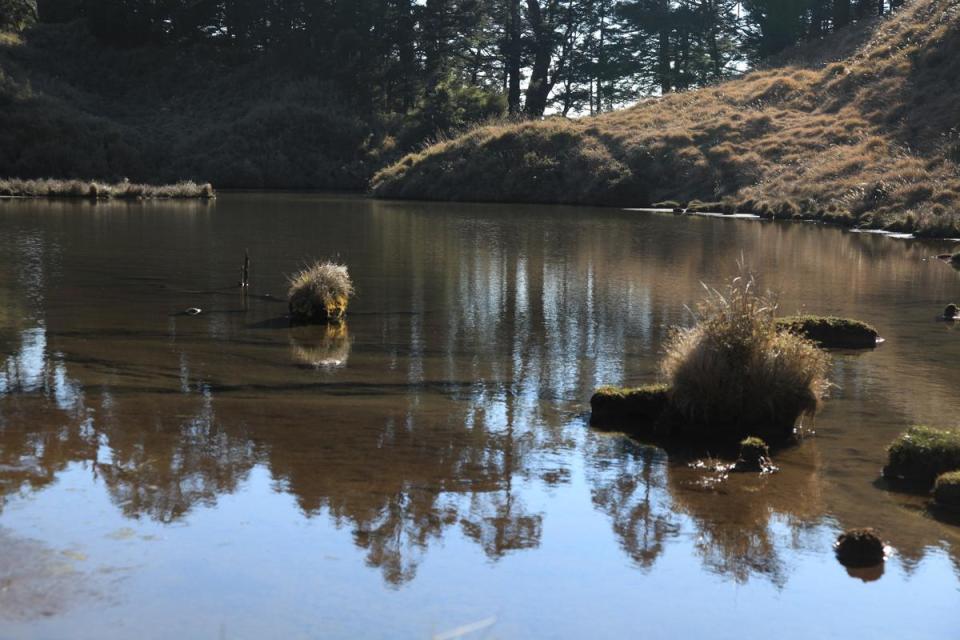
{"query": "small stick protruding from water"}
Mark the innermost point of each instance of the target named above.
(245, 270)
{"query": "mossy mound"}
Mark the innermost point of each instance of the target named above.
(754, 455)
(923, 453)
(946, 490)
(831, 332)
(859, 548)
(619, 405)
(320, 294)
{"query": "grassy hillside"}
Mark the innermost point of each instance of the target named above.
(862, 129)
(72, 108)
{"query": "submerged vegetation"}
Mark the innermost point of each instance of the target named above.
(124, 190)
(831, 332)
(734, 374)
(923, 453)
(858, 130)
(320, 293)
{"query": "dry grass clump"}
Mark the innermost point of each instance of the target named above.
(125, 190)
(868, 141)
(734, 375)
(320, 293)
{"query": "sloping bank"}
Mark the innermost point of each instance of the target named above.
(868, 141)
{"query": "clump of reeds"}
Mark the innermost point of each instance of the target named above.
(733, 374)
(320, 293)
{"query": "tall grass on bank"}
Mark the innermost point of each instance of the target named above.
(320, 293)
(125, 190)
(734, 375)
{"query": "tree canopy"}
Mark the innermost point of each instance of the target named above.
(453, 61)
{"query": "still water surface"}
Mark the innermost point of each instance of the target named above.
(428, 469)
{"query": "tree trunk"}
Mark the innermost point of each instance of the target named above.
(663, 61)
(538, 90)
(513, 59)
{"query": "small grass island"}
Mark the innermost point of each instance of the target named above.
(734, 375)
(98, 190)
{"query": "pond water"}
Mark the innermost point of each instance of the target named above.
(428, 470)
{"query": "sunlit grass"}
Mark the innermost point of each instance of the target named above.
(870, 141)
(320, 293)
(734, 374)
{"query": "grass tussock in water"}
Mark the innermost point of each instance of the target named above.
(734, 374)
(320, 293)
(125, 190)
(859, 129)
(923, 453)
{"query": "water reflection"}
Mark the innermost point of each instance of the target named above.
(457, 394)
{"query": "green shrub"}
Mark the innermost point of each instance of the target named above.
(734, 375)
(617, 405)
(320, 293)
(923, 453)
(831, 332)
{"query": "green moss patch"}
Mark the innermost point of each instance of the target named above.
(923, 453)
(946, 490)
(619, 405)
(831, 332)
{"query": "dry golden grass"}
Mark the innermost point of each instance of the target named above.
(870, 140)
(320, 293)
(125, 190)
(734, 374)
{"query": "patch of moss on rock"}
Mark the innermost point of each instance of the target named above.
(946, 490)
(859, 548)
(617, 405)
(831, 332)
(923, 453)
